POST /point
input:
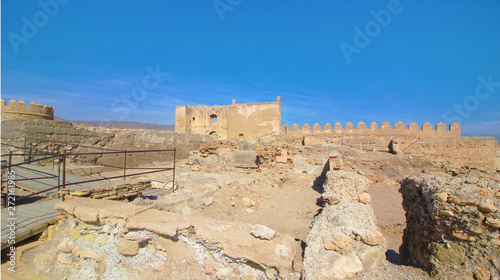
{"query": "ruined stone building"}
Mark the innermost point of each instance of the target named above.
(235, 121)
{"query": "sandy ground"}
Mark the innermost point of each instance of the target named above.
(386, 202)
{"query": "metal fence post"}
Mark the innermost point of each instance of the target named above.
(25, 148)
(125, 165)
(173, 174)
(6, 197)
(59, 170)
(64, 175)
(10, 161)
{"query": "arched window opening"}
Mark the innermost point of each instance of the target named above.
(214, 118)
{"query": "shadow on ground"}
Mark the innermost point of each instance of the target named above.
(393, 257)
(320, 180)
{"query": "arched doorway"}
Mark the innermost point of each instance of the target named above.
(214, 134)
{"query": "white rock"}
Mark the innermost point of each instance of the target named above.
(208, 201)
(107, 228)
(186, 210)
(263, 232)
(247, 202)
(345, 266)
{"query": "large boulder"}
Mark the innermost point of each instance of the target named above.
(226, 244)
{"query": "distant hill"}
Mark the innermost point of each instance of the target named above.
(116, 124)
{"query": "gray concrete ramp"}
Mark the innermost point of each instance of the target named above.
(30, 219)
(34, 184)
(27, 220)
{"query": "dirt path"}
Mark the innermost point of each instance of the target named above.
(386, 202)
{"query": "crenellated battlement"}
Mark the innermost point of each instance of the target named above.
(399, 128)
(19, 111)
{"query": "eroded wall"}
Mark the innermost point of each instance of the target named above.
(57, 136)
(235, 121)
(254, 120)
(473, 151)
(452, 226)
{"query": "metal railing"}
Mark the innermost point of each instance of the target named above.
(62, 159)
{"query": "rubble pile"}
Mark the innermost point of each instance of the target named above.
(209, 148)
(273, 152)
(343, 239)
(452, 226)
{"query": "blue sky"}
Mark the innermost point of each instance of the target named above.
(421, 61)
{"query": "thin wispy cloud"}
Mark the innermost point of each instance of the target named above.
(492, 123)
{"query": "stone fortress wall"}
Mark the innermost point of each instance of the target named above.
(239, 121)
(235, 121)
(19, 111)
(471, 151)
(427, 129)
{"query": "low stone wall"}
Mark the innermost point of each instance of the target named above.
(452, 226)
(475, 151)
(472, 151)
(57, 136)
(45, 135)
(343, 239)
(115, 191)
(141, 139)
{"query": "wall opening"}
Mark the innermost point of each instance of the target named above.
(214, 134)
(213, 117)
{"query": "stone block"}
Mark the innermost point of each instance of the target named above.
(127, 247)
(245, 159)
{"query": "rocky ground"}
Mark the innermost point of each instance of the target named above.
(286, 197)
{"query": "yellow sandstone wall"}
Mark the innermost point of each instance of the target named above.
(19, 111)
(399, 128)
(497, 159)
(235, 121)
(472, 151)
(441, 142)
